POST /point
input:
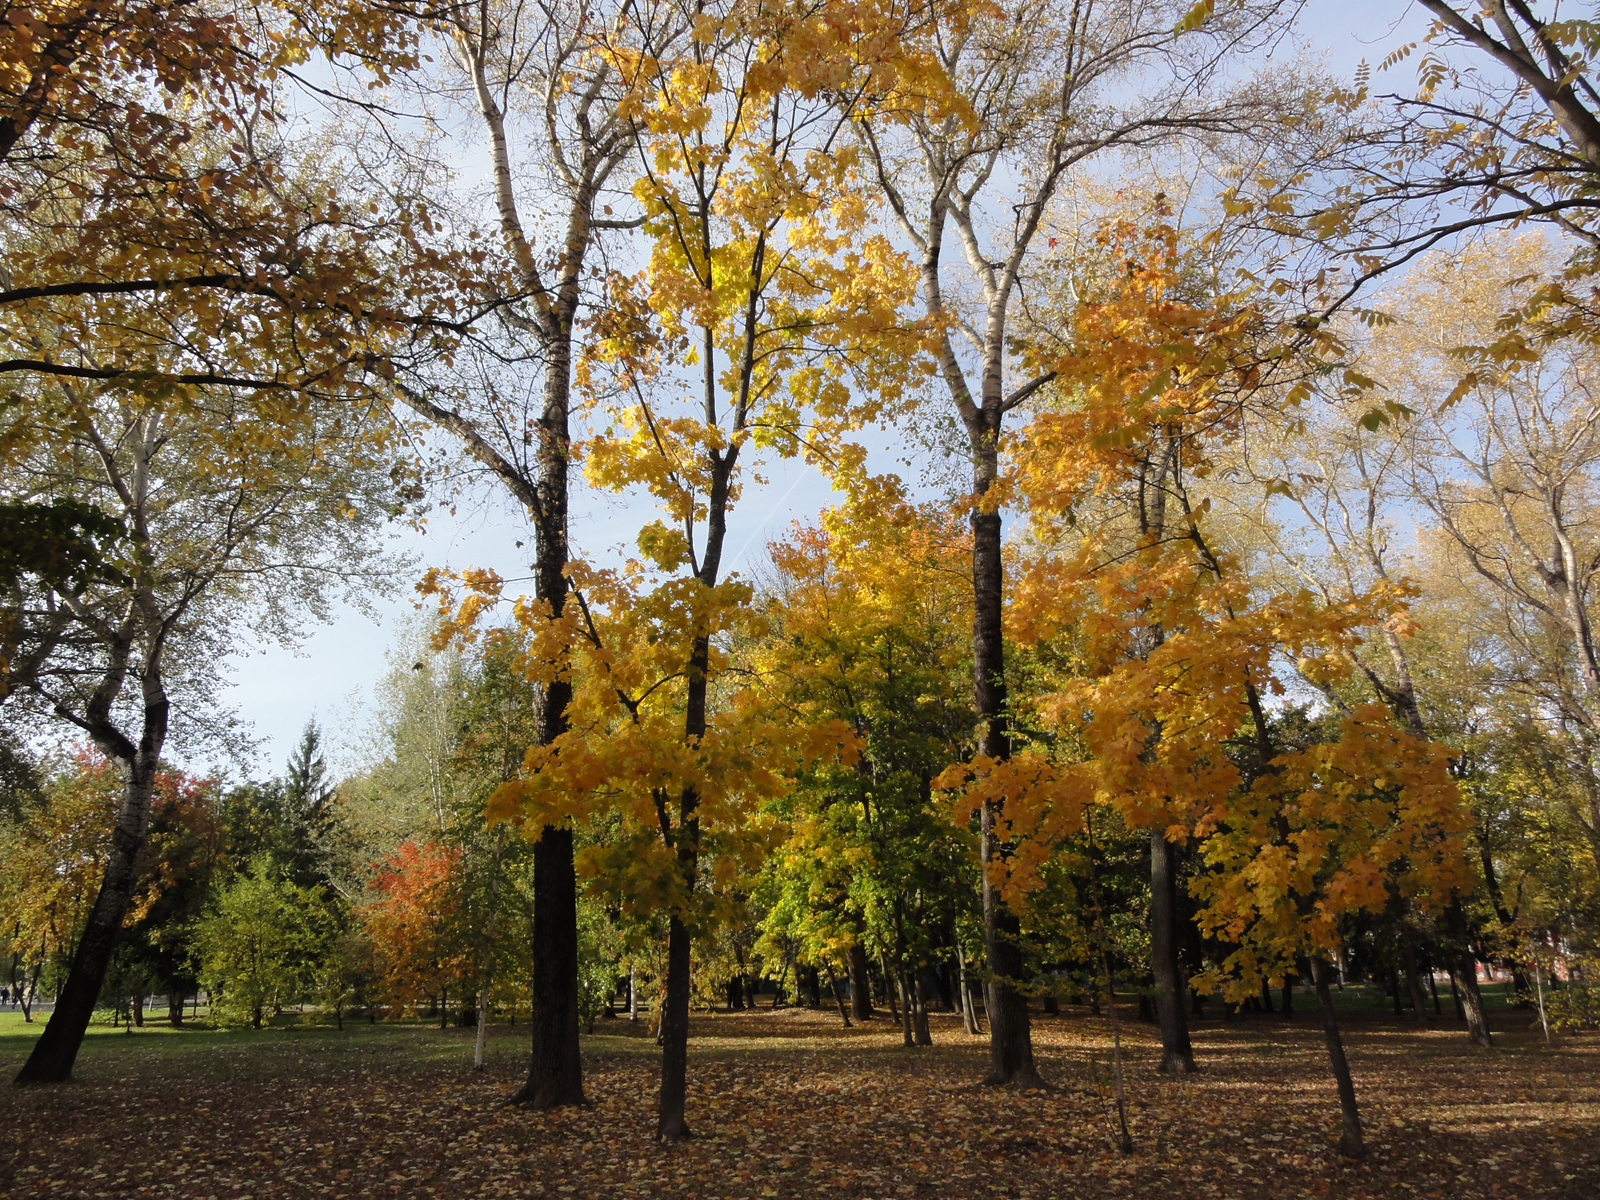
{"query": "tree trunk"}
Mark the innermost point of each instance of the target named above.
(838, 996)
(1351, 1143)
(671, 1123)
(136, 1010)
(633, 994)
(175, 1009)
(1010, 1033)
(1455, 995)
(919, 1012)
(481, 1034)
(1466, 975)
(1419, 1001)
(906, 1033)
(969, 1008)
(1177, 1054)
(860, 983)
(56, 1050)
(555, 1072)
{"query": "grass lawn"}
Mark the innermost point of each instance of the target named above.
(789, 1104)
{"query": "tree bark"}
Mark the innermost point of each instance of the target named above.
(671, 1122)
(969, 1008)
(838, 996)
(54, 1053)
(919, 1012)
(1351, 1143)
(1466, 975)
(481, 1034)
(555, 1072)
(860, 983)
(1010, 1033)
(1177, 1054)
(903, 984)
(1419, 1001)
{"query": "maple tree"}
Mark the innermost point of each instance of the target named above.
(537, 82)
(1173, 649)
(1035, 87)
(417, 927)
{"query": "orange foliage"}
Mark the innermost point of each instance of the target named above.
(415, 926)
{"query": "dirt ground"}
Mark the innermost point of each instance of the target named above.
(789, 1104)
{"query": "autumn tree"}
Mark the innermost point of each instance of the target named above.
(1501, 127)
(538, 85)
(754, 217)
(419, 929)
(1045, 91)
(1174, 645)
(226, 516)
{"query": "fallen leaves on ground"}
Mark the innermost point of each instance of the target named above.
(788, 1104)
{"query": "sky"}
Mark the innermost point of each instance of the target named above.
(330, 675)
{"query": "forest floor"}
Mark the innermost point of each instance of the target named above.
(789, 1104)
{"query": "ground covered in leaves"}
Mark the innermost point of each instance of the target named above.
(789, 1104)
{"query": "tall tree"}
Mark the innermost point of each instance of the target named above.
(537, 80)
(226, 517)
(1044, 91)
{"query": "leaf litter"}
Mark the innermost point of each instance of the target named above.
(789, 1104)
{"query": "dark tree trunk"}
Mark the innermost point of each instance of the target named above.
(1433, 988)
(1351, 1143)
(555, 1072)
(1455, 995)
(1010, 1033)
(1466, 975)
(1266, 997)
(1288, 997)
(735, 993)
(1419, 1001)
(860, 983)
(56, 1049)
(906, 1033)
(838, 996)
(919, 1011)
(1491, 883)
(671, 1123)
(941, 981)
(964, 985)
(174, 1009)
(1177, 1054)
